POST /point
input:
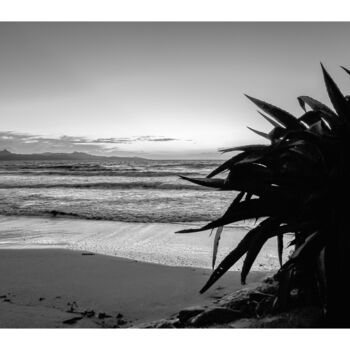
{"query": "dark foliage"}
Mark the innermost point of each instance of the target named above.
(297, 185)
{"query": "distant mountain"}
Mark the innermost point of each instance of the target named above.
(5, 155)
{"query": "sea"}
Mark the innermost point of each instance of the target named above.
(128, 209)
(132, 191)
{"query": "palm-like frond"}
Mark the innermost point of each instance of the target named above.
(216, 244)
(289, 182)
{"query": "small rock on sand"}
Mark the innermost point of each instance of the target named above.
(214, 316)
(72, 320)
(121, 322)
(88, 313)
(185, 314)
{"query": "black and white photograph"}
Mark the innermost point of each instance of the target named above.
(178, 175)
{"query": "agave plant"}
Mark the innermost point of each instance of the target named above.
(297, 184)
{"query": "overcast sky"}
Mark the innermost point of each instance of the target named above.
(159, 90)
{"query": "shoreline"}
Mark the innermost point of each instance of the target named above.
(43, 288)
(73, 217)
(146, 242)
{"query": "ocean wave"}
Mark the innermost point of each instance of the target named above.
(110, 186)
(191, 221)
(188, 165)
(144, 193)
(105, 172)
(128, 169)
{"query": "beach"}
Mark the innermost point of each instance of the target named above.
(54, 288)
(147, 242)
(93, 244)
(64, 272)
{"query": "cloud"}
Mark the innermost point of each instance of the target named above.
(164, 139)
(155, 139)
(29, 143)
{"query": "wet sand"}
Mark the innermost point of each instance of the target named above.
(49, 288)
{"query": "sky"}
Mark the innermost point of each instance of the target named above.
(157, 90)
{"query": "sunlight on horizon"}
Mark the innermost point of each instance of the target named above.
(155, 89)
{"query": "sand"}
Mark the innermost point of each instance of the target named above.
(45, 288)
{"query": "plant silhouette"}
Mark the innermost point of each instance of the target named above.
(297, 185)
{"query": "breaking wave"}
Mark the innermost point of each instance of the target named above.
(110, 185)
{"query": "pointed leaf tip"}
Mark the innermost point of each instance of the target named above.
(337, 98)
(260, 133)
(281, 116)
(271, 121)
(207, 182)
(346, 70)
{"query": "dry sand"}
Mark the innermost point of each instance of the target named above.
(45, 287)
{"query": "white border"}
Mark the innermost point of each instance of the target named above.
(173, 10)
(167, 339)
(179, 10)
